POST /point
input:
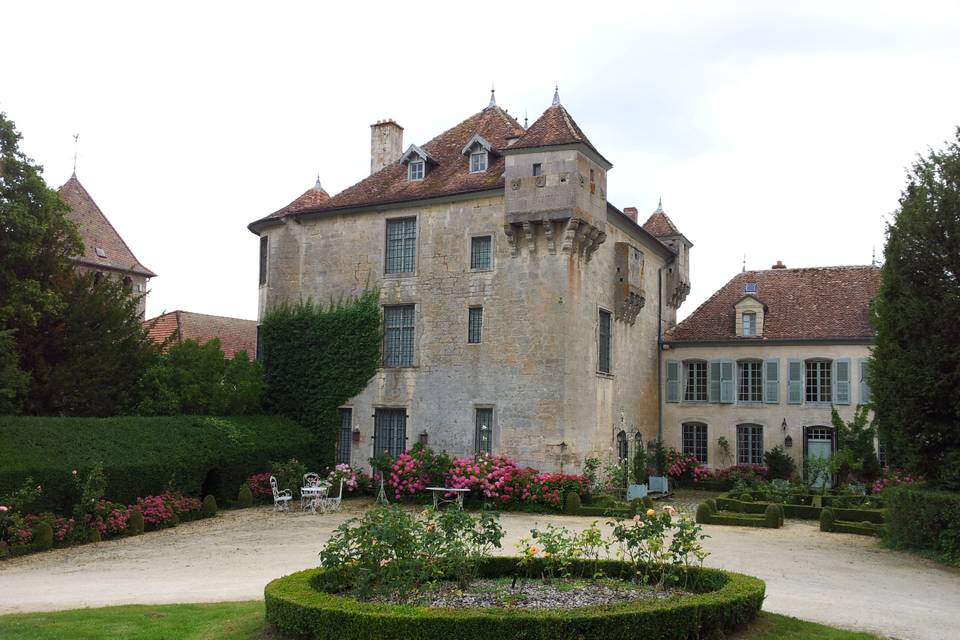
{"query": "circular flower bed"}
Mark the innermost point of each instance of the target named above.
(721, 601)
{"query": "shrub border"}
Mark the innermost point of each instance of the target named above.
(295, 607)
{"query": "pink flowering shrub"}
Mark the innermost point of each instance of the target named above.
(259, 484)
(109, 518)
(500, 479)
(893, 478)
(155, 511)
(183, 506)
(681, 466)
(408, 476)
(354, 480)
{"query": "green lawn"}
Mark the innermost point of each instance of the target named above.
(244, 621)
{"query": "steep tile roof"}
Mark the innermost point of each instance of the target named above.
(659, 225)
(810, 303)
(235, 334)
(312, 198)
(553, 128)
(97, 232)
(450, 175)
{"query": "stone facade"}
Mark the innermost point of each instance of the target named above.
(561, 256)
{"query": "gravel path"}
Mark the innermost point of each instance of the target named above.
(837, 579)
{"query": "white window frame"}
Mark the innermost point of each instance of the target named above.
(416, 167)
(749, 330)
(481, 158)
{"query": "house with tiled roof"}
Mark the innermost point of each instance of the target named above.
(235, 335)
(105, 252)
(522, 310)
(765, 359)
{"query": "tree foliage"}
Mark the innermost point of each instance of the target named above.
(856, 457)
(86, 358)
(13, 381)
(915, 372)
(316, 358)
(196, 379)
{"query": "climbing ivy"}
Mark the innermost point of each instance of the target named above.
(316, 358)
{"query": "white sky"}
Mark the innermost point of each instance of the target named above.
(775, 130)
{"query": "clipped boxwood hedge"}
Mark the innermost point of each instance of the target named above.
(924, 520)
(141, 456)
(726, 601)
(730, 503)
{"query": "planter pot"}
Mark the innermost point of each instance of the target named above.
(635, 491)
(659, 484)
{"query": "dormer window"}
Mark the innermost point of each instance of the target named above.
(749, 324)
(415, 170)
(478, 161)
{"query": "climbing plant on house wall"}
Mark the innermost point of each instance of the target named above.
(317, 357)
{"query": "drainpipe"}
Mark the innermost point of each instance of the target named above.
(659, 354)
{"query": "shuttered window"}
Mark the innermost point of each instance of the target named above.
(819, 387)
(696, 381)
(673, 381)
(727, 389)
(749, 444)
(401, 256)
(841, 381)
(771, 381)
(345, 436)
(750, 381)
(794, 382)
(865, 395)
(399, 324)
(603, 342)
(390, 431)
(695, 440)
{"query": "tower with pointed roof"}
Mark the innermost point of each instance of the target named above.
(677, 281)
(521, 309)
(105, 252)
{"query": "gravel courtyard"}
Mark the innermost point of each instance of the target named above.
(837, 579)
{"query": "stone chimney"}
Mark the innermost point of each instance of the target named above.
(386, 144)
(779, 265)
(631, 212)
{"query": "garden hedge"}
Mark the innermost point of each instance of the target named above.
(799, 511)
(924, 520)
(726, 601)
(141, 456)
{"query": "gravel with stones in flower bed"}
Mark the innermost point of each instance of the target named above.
(558, 594)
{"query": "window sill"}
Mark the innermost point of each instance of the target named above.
(412, 366)
(603, 374)
(405, 274)
(490, 270)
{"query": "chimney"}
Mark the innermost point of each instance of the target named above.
(631, 212)
(386, 144)
(779, 265)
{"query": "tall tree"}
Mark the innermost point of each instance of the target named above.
(915, 375)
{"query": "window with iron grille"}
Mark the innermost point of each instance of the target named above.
(696, 387)
(398, 327)
(475, 325)
(819, 381)
(390, 431)
(750, 377)
(749, 444)
(264, 248)
(480, 253)
(695, 440)
(484, 421)
(345, 437)
(401, 246)
(603, 342)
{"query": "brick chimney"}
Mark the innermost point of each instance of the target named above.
(779, 265)
(386, 144)
(631, 212)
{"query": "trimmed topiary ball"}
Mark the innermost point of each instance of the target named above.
(93, 535)
(245, 496)
(209, 508)
(571, 505)
(704, 513)
(135, 523)
(772, 516)
(746, 497)
(826, 519)
(42, 536)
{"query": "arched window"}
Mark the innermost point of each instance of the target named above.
(622, 452)
(749, 444)
(695, 440)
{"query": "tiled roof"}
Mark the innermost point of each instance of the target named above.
(450, 175)
(659, 225)
(97, 233)
(310, 199)
(555, 127)
(811, 303)
(235, 334)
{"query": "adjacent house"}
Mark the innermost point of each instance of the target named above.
(763, 361)
(105, 253)
(522, 310)
(235, 335)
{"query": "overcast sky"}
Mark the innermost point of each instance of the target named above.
(775, 131)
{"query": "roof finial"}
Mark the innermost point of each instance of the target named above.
(318, 186)
(493, 99)
(524, 118)
(744, 263)
(76, 137)
(659, 205)
(556, 94)
(873, 257)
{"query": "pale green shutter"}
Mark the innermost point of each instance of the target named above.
(795, 381)
(865, 397)
(771, 381)
(713, 381)
(726, 381)
(841, 381)
(673, 381)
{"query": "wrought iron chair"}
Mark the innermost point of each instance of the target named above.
(330, 504)
(281, 499)
(310, 490)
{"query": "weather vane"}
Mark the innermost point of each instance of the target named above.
(76, 138)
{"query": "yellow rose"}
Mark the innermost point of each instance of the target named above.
(651, 513)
